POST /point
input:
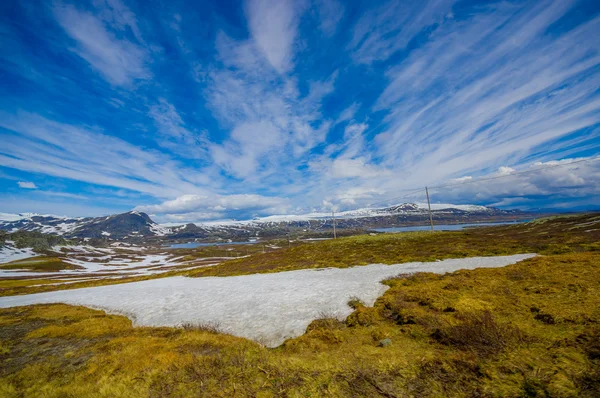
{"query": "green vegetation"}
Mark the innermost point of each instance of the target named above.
(29, 286)
(547, 236)
(525, 330)
(529, 329)
(40, 263)
(36, 240)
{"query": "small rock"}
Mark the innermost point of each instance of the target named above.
(385, 342)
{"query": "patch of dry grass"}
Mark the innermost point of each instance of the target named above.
(553, 236)
(40, 263)
(468, 333)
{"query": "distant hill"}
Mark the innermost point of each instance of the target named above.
(123, 226)
(138, 226)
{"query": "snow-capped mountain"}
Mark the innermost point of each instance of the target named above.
(116, 227)
(407, 209)
(136, 226)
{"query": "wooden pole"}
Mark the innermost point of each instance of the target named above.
(333, 219)
(429, 206)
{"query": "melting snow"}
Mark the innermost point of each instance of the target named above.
(11, 253)
(158, 230)
(268, 308)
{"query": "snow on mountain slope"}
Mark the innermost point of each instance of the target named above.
(136, 226)
(404, 208)
(9, 252)
(116, 226)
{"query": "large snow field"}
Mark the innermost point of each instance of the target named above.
(268, 308)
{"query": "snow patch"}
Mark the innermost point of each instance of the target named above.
(158, 230)
(268, 308)
(10, 253)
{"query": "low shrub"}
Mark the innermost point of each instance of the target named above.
(478, 332)
(209, 327)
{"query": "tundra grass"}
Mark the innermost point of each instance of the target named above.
(547, 236)
(40, 263)
(528, 329)
(30, 286)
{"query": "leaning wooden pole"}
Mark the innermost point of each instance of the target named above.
(429, 206)
(333, 220)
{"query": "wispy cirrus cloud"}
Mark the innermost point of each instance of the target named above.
(44, 146)
(206, 207)
(274, 27)
(572, 182)
(174, 134)
(266, 113)
(389, 27)
(523, 94)
(297, 106)
(26, 185)
(330, 13)
(118, 59)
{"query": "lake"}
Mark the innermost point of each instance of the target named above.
(446, 227)
(191, 245)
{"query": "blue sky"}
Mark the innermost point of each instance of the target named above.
(197, 110)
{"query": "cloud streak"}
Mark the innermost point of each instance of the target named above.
(26, 185)
(119, 60)
(194, 113)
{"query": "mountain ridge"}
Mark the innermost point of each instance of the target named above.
(137, 226)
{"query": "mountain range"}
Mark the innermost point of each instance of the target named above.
(138, 226)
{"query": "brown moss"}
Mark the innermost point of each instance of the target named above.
(490, 344)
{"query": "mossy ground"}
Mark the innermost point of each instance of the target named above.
(526, 329)
(40, 263)
(529, 329)
(546, 236)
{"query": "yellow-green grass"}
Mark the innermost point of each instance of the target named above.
(40, 263)
(31, 287)
(10, 283)
(529, 329)
(557, 235)
(547, 236)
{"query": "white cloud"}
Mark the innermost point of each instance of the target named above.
(504, 170)
(27, 185)
(352, 196)
(495, 87)
(330, 13)
(119, 16)
(204, 207)
(63, 194)
(274, 27)
(357, 167)
(382, 31)
(462, 179)
(175, 135)
(246, 152)
(489, 91)
(118, 60)
(566, 181)
(61, 150)
(272, 126)
(348, 113)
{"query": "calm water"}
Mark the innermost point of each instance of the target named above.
(191, 245)
(447, 227)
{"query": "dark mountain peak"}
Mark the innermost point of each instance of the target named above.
(138, 214)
